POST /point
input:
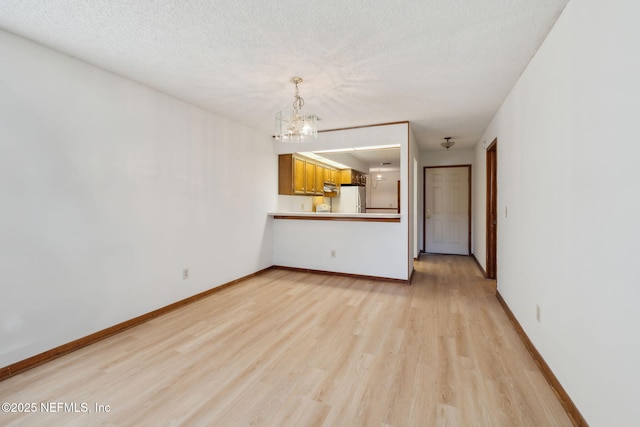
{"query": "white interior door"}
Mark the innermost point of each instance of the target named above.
(447, 210)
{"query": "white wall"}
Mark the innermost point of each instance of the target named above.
(412, 204)
(479, 203)
(453, 156)
(383, 194)
(296, 203)
(357, 137)
(108, 190)
(567, 171)
(366, 248)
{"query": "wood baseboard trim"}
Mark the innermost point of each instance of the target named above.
(320, 217)
(484, 273)
(366, 126)
(39, 359)
(413, 271)
(572, 411)
(334, 273)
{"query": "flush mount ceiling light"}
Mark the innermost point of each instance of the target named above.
(291, 125)
(448, 144)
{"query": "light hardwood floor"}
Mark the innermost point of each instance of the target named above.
(299, 349)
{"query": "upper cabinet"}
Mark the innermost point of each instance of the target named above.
(319, 181)
(298, 175)
(331, 176)
(353, 177)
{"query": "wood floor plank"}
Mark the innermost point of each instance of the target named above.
(289, 348)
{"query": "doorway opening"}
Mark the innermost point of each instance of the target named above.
(492, 210)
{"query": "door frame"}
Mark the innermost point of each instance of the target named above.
(492, 210)
(424, 203)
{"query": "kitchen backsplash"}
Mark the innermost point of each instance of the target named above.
(295, 203)
(300, 203)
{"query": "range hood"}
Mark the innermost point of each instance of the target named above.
(330, 188)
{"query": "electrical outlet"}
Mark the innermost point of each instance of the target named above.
(301, 206)
(506, 212)
(333, 253)
(185, 274)
(538, 313)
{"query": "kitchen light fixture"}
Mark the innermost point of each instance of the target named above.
(447, 144)
(291, 125)
(378, 177)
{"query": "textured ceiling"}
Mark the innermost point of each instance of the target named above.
(444, 65)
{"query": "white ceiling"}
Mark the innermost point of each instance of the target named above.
(444, 65)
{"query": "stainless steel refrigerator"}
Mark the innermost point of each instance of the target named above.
(351, 200)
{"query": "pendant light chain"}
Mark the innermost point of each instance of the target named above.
(299, 102)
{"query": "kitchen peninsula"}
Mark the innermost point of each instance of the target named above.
(378, 245)
(329, 216)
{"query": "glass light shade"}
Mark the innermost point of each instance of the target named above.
(295, 127)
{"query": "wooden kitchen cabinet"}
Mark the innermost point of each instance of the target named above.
(310, 169)
(352, 177)
(330, 175)
(291, 174)
(298, 178)
(363, 179)
(319, 187)
(298, 175)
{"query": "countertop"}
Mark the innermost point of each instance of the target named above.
(331, 216)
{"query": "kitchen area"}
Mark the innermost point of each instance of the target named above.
(343, 203)
(341, 181)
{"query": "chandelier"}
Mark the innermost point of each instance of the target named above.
(291, 125)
